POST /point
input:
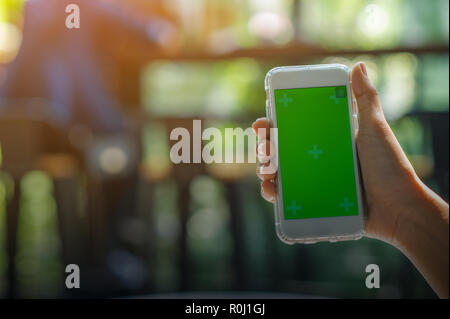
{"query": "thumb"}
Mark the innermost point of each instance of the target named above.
(366, 95)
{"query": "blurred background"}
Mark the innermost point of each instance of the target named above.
(85, 115)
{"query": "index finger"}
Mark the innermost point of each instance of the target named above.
(262, 123)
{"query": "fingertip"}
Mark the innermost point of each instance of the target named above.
(261, 123)
(263, 149)
(258, 123)
(358, 81)
(264, 177)
(260, 120)
(268, 191)
(361, 84)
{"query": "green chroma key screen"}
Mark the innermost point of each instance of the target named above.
(315, 152)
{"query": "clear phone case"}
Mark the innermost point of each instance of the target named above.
(278, 202)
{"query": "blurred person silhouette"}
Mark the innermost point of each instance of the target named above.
(64, 66)
(68, 68)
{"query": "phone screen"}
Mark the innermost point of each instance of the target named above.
(315, 152)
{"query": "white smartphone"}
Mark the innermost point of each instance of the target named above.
(319, 190)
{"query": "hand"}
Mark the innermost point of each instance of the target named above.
(389, 179)
(394, 194)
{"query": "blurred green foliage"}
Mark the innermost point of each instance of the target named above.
(374, 24)
(38, 258)
(11, 10)
(224, 89)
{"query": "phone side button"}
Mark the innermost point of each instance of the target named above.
(355, 121)
(355, 114)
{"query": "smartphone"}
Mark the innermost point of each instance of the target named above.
(319, 190)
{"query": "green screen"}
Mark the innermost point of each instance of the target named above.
(315, 152)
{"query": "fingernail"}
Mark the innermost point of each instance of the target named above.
(363, 68)
(267, 197)
(261, 147)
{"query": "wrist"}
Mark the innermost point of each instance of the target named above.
(426, 214)
(423, 236)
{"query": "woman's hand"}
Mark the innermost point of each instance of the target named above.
(401, 209)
